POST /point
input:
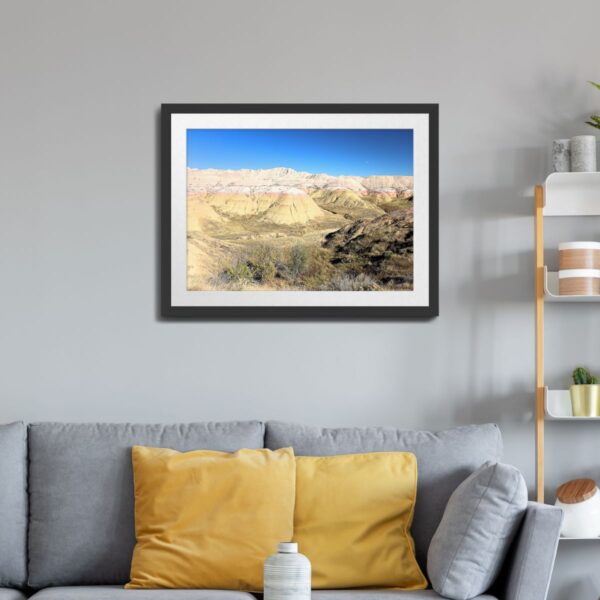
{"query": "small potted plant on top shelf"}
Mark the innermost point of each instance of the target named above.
(585, 394)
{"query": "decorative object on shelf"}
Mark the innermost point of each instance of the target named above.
(585, 394)
(579, 282)
(579, 255)
(594, 119)
(299, 210)
(583, 153)
(580, 502)
(561, 156)
(287, 574)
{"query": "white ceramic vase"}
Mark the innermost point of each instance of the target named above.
(581, 519)
(287, 574)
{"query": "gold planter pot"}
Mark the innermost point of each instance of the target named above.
(585, 400)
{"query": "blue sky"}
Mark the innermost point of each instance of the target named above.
(333, 151)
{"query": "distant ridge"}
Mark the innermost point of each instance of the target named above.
(284, 180)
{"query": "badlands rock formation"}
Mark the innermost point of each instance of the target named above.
(276, 204)
(281, 229)
(285, 197)
(383, 246)
(281, 178)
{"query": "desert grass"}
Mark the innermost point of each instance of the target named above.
(297, 268)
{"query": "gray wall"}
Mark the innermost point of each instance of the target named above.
(81, 83)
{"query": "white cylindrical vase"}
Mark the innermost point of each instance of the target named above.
(583, 153)
(287, 574)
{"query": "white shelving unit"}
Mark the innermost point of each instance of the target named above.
(572, 195)
(551, 290)
(558, 407)
(562, 195)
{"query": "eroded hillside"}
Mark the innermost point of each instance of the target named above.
(281, 229)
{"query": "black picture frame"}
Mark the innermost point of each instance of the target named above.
(168, 310)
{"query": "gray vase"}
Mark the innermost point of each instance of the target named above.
(561, 156)
(583, 153)
(287, 574)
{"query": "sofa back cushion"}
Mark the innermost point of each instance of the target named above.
(444, 460)
(207, 519)
(82, 528)
(13, 505)
(352, 520)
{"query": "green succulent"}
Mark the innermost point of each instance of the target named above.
(594, 119)
(582, 376)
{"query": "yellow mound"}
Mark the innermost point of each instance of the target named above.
(292, 210)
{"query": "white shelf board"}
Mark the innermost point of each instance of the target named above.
(557, 404)
(551, 290)
(577, 539)
(572, 194)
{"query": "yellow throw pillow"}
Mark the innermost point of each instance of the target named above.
(208, 519)
(352, 520)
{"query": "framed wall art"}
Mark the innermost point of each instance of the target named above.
(300, 210)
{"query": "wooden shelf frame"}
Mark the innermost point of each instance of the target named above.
(540, 388)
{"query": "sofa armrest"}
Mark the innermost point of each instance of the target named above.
(531, 560)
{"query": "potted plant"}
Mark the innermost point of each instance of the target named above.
(585, 394)
(594, 119)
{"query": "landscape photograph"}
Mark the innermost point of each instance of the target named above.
(299, 209)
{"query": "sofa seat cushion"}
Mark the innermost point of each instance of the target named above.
(381, 595)
(81, 505)
(444, 460)
(10, 594)
(109, 592)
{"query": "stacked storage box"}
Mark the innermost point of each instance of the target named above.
(579, 268)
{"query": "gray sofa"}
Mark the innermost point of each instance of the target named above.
(68, 513)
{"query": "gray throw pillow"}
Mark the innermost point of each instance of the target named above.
(474, 535)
